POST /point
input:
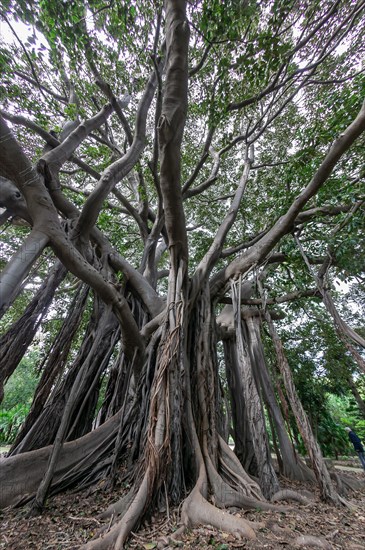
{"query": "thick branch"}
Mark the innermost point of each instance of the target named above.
(18, 267)
(120, 168)
(172, 122)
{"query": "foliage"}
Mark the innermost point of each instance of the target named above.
(18, 395)
(10, 422)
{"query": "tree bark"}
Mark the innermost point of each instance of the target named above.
(327, 490)
(268, 480)
(292, 466)
(19, 267)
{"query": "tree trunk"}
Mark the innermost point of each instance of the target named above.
(268, 480)
(292, 466)
(15, 342)
(243, 446)
(93, 357)
(327, 490)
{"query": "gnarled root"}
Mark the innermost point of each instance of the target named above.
(287, 494)
(118, 508)
(346, 483)
(225, 496)
(118, 534)
(309, 540)
(232, 466)
(197, 510)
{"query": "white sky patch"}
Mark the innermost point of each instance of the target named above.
(21, 33)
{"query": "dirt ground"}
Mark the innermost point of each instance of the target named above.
(70, 520)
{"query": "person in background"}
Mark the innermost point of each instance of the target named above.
(355, 440)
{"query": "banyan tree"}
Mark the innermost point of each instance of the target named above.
(162, 165)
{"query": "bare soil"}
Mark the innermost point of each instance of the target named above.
(71, 519)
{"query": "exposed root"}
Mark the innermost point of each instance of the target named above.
(287, 494)
(77, 458)
(173, 539)
(347, 504)
(302, 472)
(346, 483)
(308, 494)
(309, 540)
(118, 534)
(225, 496)
(117, 508)
(278, 530)
(233, 466)
(197, 510)
(341, 488)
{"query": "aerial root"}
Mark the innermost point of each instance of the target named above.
(287, 494)
(309, 540)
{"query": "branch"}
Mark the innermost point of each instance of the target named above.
(210, 258)
(26, 53)
(50, 163)
(15, 165)
(201, 161)
(120, 168)
(194, 70)
(104, 86)
(327, 210)
(187, 193)
(340, 324)
(290, 297)
(50, 139)
(285, 223)
(273, 85)
(27, 78)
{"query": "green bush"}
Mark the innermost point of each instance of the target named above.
(18, 396)
(10, 422)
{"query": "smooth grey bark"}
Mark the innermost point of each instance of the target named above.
(292, 467)
(327, 490)
(172, 122)
(19, 267)
(12, 200)
(50, 162)
(268, 480)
